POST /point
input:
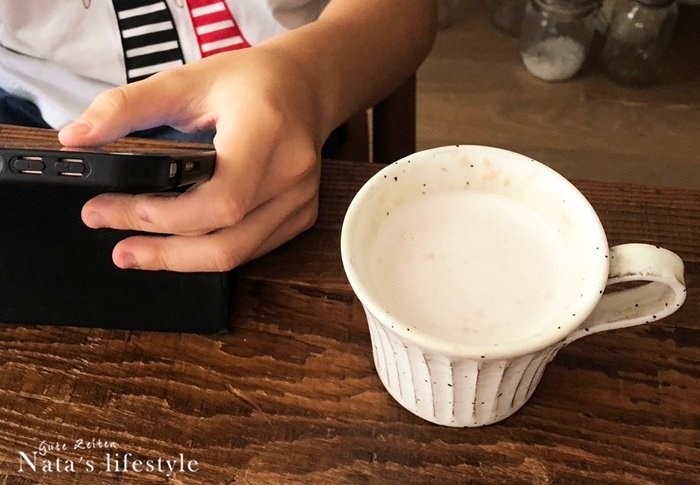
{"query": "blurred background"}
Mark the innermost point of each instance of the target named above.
(475, 86)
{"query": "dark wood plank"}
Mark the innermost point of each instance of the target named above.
(18, 136)
(290, 395)
(394, 124)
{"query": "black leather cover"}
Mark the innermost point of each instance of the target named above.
(54, 270)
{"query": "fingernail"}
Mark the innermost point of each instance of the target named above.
(94, 220)
(128, 261)
(78, 128)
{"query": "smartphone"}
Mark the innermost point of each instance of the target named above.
(100, 170)
(55, 270)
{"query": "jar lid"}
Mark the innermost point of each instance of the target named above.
(571, 7)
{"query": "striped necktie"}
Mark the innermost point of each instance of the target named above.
(215, 27)
(149, 37)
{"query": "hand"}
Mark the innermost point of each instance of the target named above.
(264, 190)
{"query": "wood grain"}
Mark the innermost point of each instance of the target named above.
(290, 395)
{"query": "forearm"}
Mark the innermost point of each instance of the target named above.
(357, 52)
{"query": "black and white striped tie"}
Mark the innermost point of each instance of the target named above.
(149, 37)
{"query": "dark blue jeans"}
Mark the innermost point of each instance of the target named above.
(19, 111)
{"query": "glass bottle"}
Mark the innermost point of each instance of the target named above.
(639, 34)
(506, 16)
(556, 37)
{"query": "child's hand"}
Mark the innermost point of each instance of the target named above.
(272, 106)
(265, 187)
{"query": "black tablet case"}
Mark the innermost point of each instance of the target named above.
(54, 270)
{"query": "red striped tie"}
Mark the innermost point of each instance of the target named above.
(215, 27)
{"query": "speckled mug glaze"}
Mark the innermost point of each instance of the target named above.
(463, 384)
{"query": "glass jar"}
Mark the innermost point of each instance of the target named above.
(556, 37)
(506, 16)
(639, 34)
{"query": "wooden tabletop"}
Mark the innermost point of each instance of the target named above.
(290, 395)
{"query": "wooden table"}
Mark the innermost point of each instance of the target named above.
(291, 394)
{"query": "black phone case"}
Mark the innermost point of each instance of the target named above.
(55, 270)
(105, 171)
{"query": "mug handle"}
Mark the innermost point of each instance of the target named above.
(663, 295)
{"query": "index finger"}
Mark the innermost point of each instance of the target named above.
(243, 144)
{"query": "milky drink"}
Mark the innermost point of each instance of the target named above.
(470, 267)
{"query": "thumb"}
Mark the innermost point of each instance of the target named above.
(119, 111)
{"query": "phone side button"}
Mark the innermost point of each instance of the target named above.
(72, 168)
(29, 165)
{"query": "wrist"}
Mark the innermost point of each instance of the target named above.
(296, 91)
(355, 54)
(319, 86)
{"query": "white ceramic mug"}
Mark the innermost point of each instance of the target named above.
(463, 383)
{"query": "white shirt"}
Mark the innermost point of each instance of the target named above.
(62, 53)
